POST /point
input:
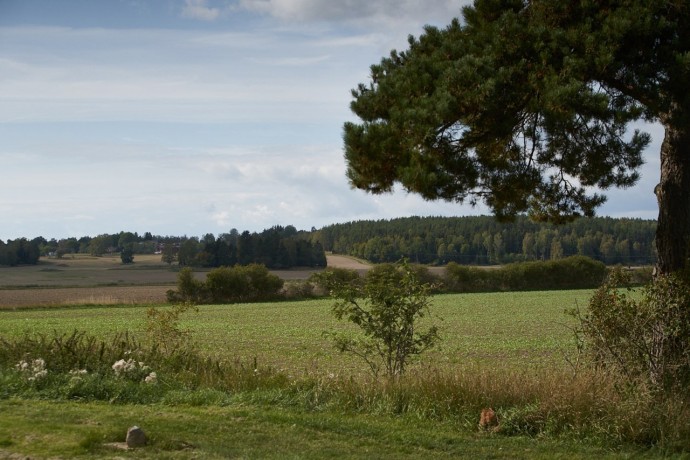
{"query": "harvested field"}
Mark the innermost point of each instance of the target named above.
(85, 280)
(108, 295)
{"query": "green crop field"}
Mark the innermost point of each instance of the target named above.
(525, 328)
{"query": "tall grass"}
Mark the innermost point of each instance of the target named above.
(586, 404)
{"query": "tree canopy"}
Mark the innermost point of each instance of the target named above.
(481, 240)
(527, 106)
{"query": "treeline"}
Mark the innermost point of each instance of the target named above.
(482, 240)
(99, 245)
(276, 247)
(20, 252)
(575, 272)
(477, 240)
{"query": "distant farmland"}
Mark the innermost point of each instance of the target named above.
(105, 280)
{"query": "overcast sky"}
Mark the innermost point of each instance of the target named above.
(197, 116)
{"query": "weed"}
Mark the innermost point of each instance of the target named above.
(162, 327)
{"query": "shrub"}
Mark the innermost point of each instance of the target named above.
(227, 285)
(326, 280)
(576, 272)
(298, 289)
(426, 277)
(189, 289)
(460, 278)
(162, 327)
(387, 308)
(264, 284)
(646, 339)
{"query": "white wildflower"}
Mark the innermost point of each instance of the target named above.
(151, 378)
(33, 370)
(38, 375)
(119, 366)
(130, 365)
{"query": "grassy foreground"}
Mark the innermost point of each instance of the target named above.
(306, 401)
(238, 429)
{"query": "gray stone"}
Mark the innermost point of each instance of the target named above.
(136, 437)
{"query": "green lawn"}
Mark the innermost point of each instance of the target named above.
(41, 429)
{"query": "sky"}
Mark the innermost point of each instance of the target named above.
(187, 117)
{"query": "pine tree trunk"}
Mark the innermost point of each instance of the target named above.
(673, 232)
(673, 195)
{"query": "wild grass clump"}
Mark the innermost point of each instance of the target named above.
(539, 403)
(78, 366)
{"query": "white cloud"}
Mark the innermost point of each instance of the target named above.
(167, 75)
(222, 219)
(292, 61)
(345, 10)
(197, 9)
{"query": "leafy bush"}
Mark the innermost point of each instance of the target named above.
(248, 283)
(332, 276)
(387, 308)
(425, 276)
(264, 284)
(646, 339)
(461, 278)
(189, 289)
(576, 272)
(298, 289)
(228, 285)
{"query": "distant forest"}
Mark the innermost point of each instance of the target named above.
(485, 241)
(426, 240)
(277, 247)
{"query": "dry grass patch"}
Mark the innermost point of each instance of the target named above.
(108, 295)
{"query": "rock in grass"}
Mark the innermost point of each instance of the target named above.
(135, 437)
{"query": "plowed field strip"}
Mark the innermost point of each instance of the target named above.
(82, 296)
